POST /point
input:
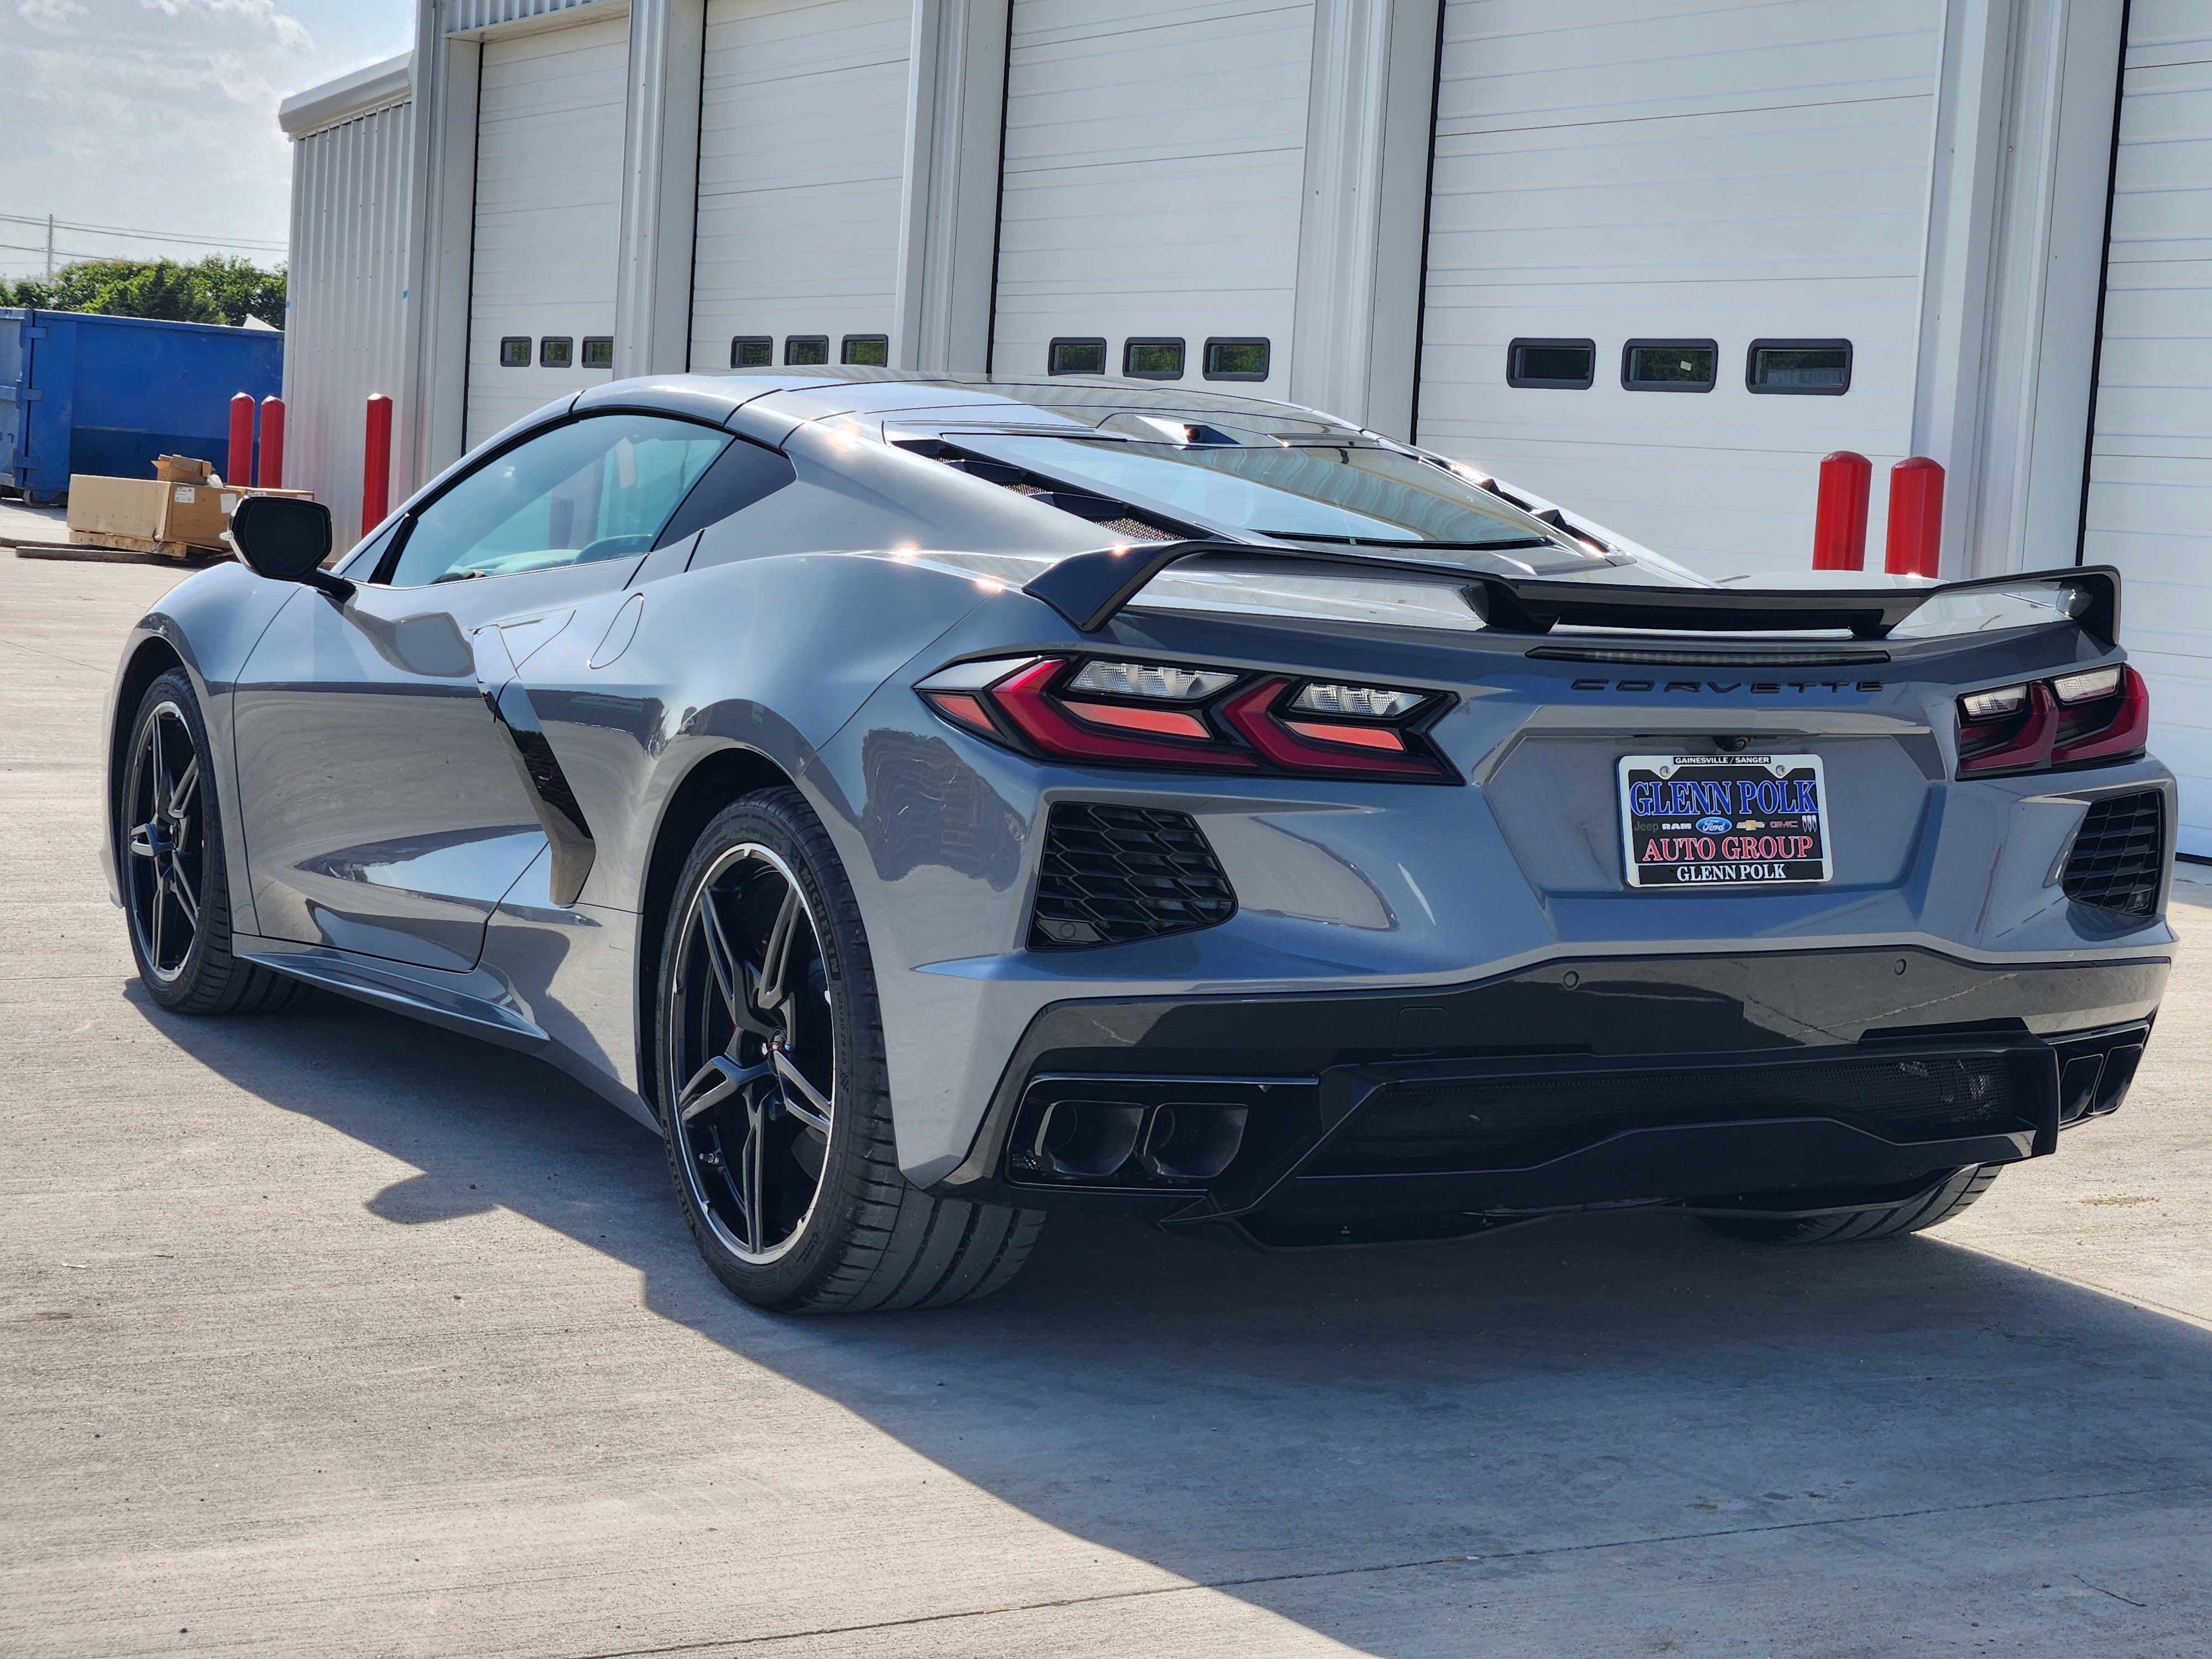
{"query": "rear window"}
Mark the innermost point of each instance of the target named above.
(1349, 494)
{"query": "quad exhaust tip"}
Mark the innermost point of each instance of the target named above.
(1076, 1140)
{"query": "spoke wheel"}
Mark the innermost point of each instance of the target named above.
(164, 842)
(752, 1068)
(773, 1087)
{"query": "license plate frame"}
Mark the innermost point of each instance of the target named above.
(1765, 828)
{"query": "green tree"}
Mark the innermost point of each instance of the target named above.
(215, 289)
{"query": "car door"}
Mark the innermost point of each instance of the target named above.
(384, 808)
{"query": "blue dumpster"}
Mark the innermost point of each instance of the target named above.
(81, 393)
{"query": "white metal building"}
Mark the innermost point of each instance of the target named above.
(1654, 260)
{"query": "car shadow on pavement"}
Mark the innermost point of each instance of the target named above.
(1306, 1431)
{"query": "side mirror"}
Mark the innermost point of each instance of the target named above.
(287, 539)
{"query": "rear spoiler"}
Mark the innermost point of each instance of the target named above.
(1089, 589)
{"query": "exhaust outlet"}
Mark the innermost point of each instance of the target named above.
(1087, 1139)
(1193, 1142)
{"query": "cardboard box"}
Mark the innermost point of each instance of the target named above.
(137, 512)
(183, 469)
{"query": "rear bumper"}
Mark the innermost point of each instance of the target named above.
(1780, 1083)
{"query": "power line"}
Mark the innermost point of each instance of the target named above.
(248, 242)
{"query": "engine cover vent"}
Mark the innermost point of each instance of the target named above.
(1114, 874)
(2119, 854)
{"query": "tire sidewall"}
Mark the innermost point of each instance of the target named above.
(781, 821)
(176, 687)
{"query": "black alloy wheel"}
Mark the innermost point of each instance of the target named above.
(176, 886)
(164, 842)
(773, 1093)
(753, 1059)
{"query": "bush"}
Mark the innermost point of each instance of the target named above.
(216, 289)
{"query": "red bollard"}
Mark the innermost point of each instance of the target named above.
(376, 466)
(238, 469)
(1839, 522)
(270, 473)
(1916, 517)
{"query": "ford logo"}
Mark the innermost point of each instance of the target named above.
(1714, 826)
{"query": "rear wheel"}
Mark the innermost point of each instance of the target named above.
(1939, 1203)
(775, 1098)
(176, 884)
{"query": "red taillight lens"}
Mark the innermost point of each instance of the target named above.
(1333, 748)
(1045, 722)
(2062, 722)
(2018, 743)
(2108, 728)
(1170, 715)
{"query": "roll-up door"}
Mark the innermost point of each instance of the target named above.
(548, 217)
(802, 140)
(1699, 179)
(2150, 475)
(1155, 156)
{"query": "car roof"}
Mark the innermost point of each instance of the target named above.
(813, 394)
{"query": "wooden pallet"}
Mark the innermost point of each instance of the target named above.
(94, 553)
(114, 542)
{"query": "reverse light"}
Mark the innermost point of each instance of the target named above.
(1993, 705)
(1365, 703)
(2100, 716)
(1151, 679)
(1174, 715)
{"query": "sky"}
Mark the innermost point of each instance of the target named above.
(161, 115)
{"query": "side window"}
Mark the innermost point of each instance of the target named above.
(600, 488)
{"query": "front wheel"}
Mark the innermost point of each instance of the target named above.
(774, 1094)
(1939, 1203)
(175, 881)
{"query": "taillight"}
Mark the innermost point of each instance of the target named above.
(2100, 715)
(1171, 715)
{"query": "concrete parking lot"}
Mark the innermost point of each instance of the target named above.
(332, 1334)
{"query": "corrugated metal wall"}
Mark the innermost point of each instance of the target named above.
(350, 214)
(461, 15)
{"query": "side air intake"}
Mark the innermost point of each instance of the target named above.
(1111, 875)
(2119, 854)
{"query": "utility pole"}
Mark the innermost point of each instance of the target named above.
(50, 247)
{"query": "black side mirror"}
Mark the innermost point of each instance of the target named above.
(287, 539)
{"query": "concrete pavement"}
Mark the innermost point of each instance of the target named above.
(333, 1335)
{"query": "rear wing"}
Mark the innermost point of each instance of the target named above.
(1089, 589)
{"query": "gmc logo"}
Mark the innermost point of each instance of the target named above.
(1721, 688)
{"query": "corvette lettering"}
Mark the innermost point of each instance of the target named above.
(1723, 688)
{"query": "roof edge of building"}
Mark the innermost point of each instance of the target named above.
(349, 95)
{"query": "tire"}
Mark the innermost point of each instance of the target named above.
(774, 1095)
(174, 880)
(1939, 1203)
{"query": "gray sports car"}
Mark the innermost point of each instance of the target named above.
(930, 802)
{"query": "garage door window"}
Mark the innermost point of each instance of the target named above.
(1153, 360)
(805, 351)
(598, 351)
(1561, 365)
(1669, 365)
(514, 351)
(752, 351)
(557, 351)
(597, 488)
(870, 350)
(1818, 368)
(1237, 360)
(1076, 357)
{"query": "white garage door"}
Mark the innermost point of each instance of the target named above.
(801, 151)
(548, 215)
(1723, 172)
(1154, 167)
(2150, 480)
